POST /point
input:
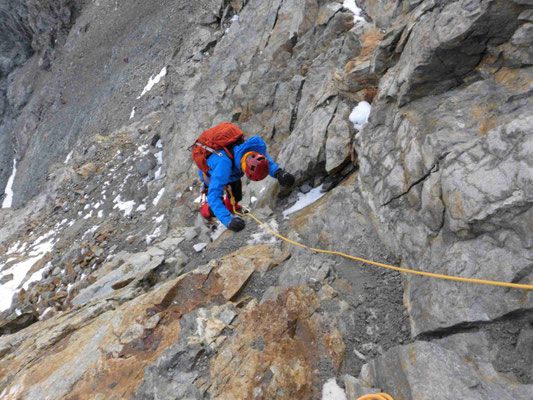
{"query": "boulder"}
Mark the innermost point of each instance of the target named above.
(428, 371)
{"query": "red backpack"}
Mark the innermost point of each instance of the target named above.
(214, 139)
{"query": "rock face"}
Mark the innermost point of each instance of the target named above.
(451, 187)
(407, 370)
(117, 289)
(27, 27)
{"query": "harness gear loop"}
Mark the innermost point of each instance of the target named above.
(244, 210)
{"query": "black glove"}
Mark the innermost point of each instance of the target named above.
(284, 178)
(236, 224)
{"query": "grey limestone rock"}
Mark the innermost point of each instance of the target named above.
(355, 389)
(428, 371)
(146, 164)
(173, 374)
(439, 53)
(339, 139)
(448, 182)
(134, 267)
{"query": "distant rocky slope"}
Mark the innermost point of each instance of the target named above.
(119, 290)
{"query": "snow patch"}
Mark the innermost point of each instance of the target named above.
(69, 156)
(132, 112)
(19, 271)
(126, 206)
(158, 173)
(143, 150)
(159, 144)
(350, 5)
(8, 200)
(304, 200)
(264, 236)
(158, 197)
(89, 231)
(142, 207)
(359, 115)
(38, 275)
(14, 247)
(332, 391)
(220, 229)
(159, 157)
(198, 247)
(153, 81)
(154, 235)
(45, 312)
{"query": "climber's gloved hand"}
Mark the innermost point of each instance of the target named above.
(236, 224)
(284, 178)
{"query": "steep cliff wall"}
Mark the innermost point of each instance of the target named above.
(120, 291)
(27, 28)
(444, 161)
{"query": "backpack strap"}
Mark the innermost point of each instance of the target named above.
(231, 148)
(206, 177)
(218, 153)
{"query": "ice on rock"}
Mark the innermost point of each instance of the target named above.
(304, 200)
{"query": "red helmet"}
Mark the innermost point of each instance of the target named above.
(255, 166)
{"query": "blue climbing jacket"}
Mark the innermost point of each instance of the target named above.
(224, 170)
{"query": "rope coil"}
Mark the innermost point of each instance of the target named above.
(377, 396)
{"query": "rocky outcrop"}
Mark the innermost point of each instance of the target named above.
(278, 82)
(34, 26)
(406, 371)
(120, 289)
(444, 167)
(442, 187)
(189, 333)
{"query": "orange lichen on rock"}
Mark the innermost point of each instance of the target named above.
(275, 351)
(83, 354)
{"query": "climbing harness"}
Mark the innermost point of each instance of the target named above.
(409, 271)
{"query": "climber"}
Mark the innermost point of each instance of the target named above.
(223, 156)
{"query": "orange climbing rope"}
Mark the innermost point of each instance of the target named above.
(377, 396)
(377, 264)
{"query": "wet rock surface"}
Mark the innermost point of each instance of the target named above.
(116, 287)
